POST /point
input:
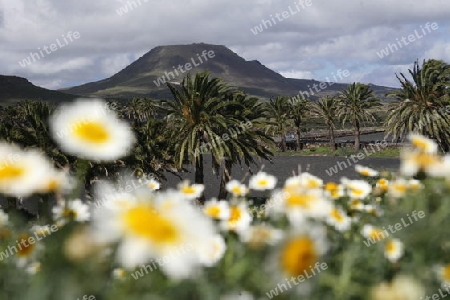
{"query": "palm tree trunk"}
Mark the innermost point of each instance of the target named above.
(332, 139)
(226, 177)
(357, 136)
(199, 174)
(199, 169)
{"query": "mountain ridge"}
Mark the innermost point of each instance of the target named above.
(146, 77)
(140, 78)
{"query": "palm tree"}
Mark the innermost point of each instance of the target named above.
(139, 110)
(153, 152)
(277, 111)
(249, 140)
(325, 109)
(196, 111)
(354, 103)
(298, 109)
(420, 105)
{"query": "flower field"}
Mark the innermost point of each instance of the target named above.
(384, 236)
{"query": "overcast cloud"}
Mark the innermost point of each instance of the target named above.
(313, 43)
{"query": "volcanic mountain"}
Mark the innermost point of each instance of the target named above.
(15, 89)
(146, 76)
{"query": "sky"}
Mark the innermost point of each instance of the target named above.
(88, 40)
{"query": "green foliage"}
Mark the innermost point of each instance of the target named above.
(421, 103)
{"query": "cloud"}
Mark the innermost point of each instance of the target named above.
(318, 40)
(298, 74)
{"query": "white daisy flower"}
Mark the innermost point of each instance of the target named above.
(57, 181)
(373, 209)
(68, 210)
(415, 185)
(306, 203)
(366, 171)
(382, 184)
(33, 268)
(334, 190)
(262, 181)
(356, 204)
(236, 188)
(304, 180)
(86, 128)
(109, 197)
(373, 233)
(212, 251)
(357, 189)
(442, 170)
(154, 227)
(412, 162)
(259, 235)
(275, 205)
(219, 210)
(21, 172)
(3, 218)
(28, 248)
(119, 273)
(398, 188)
(297, 255)
(339, 219)
(41, 229)
(423, 144)
(191, 191)
(401, 287)
(443, 273)
(393, 250)
(239, 220)
(153, 184)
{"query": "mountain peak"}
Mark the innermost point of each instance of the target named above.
(147, 76)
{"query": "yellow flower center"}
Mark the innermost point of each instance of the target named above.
(424, 160)
(390, 247)
(11, 172)
(236, 190)
(383, 184)
(263, 182)
(298, 256)
(400, 187)
(331, 186)
(420, 144)
(235, 214)
(303, 200)
(336, 214)
(52, 185)
(92, 132)
(414, 186)
(213, 212)
(145, 222)
(364, 172)
(188, 190)
(376, 234)
(335, 194)
(357, 192)
(69, 213)
(313, 184)
(446, 273)
(24, 251)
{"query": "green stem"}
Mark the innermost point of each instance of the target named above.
(346, 274)
(80, 174)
